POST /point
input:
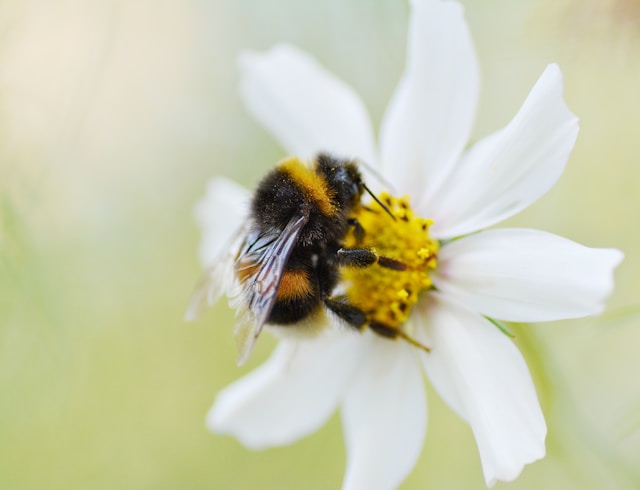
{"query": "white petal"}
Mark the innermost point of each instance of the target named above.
(429, 119)
(384, 417)
(220, 214)
(289, 396)
(480, 373)
(507, 171)
(526, 275)
(306, 108)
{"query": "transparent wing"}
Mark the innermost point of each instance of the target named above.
(260, 265)
(217, 279)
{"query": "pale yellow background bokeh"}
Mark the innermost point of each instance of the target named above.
(114, 114)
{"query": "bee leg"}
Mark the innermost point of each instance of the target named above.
(355, 317)
(357, 257)
(364, 257)
(340, 306)
(393, 333)
(358, 230)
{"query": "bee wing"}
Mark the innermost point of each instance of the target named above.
(218, 278)
(266, 256)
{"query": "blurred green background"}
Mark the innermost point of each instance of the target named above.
(113, 116)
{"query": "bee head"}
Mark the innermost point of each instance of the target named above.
(344, 179)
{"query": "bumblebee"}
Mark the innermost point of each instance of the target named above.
(288, 256)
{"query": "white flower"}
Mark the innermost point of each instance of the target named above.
(516, 275)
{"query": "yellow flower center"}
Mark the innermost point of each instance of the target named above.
(387, 294)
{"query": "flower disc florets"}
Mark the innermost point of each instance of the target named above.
(388, 294)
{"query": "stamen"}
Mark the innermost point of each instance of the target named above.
(386, 293)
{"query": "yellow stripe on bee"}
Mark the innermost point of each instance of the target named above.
(312, 183)
(246, 269)
(294, 285)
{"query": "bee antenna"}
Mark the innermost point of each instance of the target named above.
(377, 175)
(375, 198)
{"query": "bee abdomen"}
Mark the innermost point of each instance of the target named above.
(295, 284)
(296, 299)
